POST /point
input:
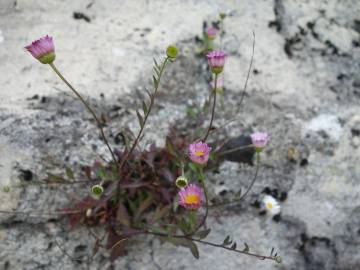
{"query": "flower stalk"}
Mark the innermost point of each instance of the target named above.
(99, 124)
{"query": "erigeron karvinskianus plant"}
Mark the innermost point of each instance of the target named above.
(148, 191)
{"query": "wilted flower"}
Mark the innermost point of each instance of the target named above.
(259, 140)
(191, 197)
(181, 182)
(219, 85)
(42, 49)
(271, 205)
(216, 60)
(211, 33)
(199, 152)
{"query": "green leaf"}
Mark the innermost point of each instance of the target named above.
(161, 212)
(144, 107)
(155, 82)
(140, 118)
(227, 241)
(149, 94)
(157, 72)
(156, 63)
(194, 250)
(145, 204)
(185, 243)
(69, 173)
(247, 248)
(203, 234)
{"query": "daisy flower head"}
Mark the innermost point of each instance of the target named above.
(191, 197)
(199, 152)
(211, 33)
(259, 140)
(216, 60)
(42, 49)
(271, 205)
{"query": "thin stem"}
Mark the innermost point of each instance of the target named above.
(213, 109)
(138, 137)
(99, 124)
(248, 74)
(261, 257)
(248, 189)
(202, 182)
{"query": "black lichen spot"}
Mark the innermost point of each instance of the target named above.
(283, 196)
(304, 162)
(355, 132)
(81, 16)
(277, 218)
(26, 175)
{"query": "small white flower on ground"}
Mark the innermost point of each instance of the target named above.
(271, 205)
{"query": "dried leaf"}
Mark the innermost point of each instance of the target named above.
(233, 246)
(122, 215)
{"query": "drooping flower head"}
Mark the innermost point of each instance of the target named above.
(219, 85)
(271, 205)
(211, 33)
(216, 60)
(42, 49)
(259, 140)
(199, 152)
(191, 197)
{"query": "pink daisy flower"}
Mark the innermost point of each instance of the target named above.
(42, 49)
(259, 140)
(211, 32)
(216, 60)
(199, 152)
(191, 197)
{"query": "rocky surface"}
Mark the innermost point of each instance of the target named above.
(304, 89)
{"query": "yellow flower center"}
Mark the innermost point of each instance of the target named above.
(199, 153)
(269, 205)
(192, 199)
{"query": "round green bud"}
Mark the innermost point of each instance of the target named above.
(97, 190)
(181, 182)
(6, 189)
(172, 51)
(278, 259)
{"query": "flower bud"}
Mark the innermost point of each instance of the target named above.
(181, 182)
(42, 49)
(172, 51)
(216, 60)
(97, 190)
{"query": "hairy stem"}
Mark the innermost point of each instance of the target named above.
(213, 109)
(99, 124)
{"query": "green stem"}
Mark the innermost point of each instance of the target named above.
(99, 124)
(137, 139)
(213, 109)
